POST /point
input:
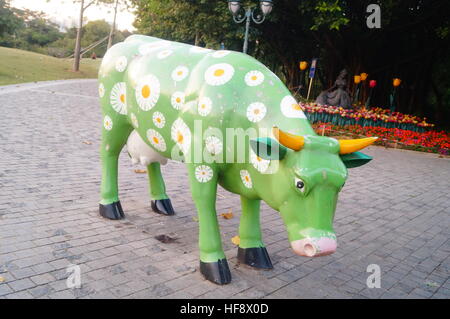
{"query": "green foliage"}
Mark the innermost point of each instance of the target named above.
(9, 23)
(329, 14)
(204, 22)
(409, 45)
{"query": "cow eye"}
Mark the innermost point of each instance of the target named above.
(299, 184)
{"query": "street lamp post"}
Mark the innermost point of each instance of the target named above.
(265, 6)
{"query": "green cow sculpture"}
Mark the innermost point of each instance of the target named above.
(234, 123)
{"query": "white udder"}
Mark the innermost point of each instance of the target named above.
(141, 153)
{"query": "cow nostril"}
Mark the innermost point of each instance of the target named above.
(309, 250)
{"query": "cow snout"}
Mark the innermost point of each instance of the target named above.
(314, 247)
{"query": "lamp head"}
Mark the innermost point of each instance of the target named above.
(234, 6)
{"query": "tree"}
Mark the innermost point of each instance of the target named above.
(113, 26)
(95, 31)
(84, 5)
(9, 22)
(200, 22)
(412, 43)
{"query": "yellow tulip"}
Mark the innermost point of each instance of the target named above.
(357, 79)
(396, 82)
(364, 76)
(303, 65)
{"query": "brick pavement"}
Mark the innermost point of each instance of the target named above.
(393, 212)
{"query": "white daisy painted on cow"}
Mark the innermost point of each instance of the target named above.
(177, 100)
(164, 54)
(159, 120)
(290, 108)
(256, 112)
(107, 123)
(246, 179)
(147, 92)
(180, 73)
(203, 173)
(121, 63)
(219, 74)
(181, 135)
(213, 145)
(118, 98)
(204, 106)
(259, 163)
(156, 140)
(254, 78)
(134, 120)
(220, 53)
(196, 49)
(101, 90)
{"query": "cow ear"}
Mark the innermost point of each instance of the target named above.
(268, 148)
(355, 159)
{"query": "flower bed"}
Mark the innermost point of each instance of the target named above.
(373, 117)
(430, 141)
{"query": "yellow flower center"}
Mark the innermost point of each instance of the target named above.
(179, 72)
(145, 91)
(156, 140)
(178, 100)
(122, 98)
(219, 72)
(296, 107)
(180, 138)
(259, 159)
(254, 78)
(158, 120)
(203, 106)
(247, 179)
(256, 111)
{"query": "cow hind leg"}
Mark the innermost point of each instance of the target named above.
(251, 249)
(160, 202)
(113, 140)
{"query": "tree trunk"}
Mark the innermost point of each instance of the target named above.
(113, 27)
(76, 62)
(197, 39)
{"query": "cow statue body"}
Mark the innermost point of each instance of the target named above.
(175, 101)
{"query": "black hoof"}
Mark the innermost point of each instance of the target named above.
(112, 211)
(163, 207)
(255, 257)
(216, 272)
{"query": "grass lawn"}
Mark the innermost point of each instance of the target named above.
(18, 66)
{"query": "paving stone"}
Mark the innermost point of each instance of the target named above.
(41, 291)
(5, 289)
(382, 217)
(21, 284)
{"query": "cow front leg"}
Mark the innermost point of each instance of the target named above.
(160, 202)
(251, 249)
(213, 263)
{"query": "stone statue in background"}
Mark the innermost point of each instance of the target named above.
(337, 95)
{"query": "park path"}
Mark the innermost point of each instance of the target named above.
(393, 212)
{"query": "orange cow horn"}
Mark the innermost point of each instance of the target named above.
(350, 146)
(294, 142)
